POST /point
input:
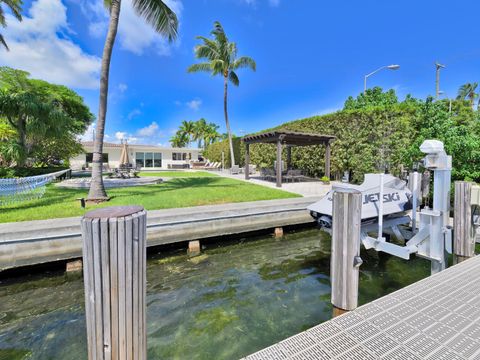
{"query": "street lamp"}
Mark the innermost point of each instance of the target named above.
(389, 67)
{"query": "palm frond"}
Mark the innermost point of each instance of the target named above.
(3, 42)
(233, 78)
(244, 62)
(199, 67)
(16, 7)
(159, 15)
(206, 52)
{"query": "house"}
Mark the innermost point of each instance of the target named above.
(145, 157)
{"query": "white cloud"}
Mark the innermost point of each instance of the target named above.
(149, 130)
(88, 135)
(134, 34)
(273, 3)
(120, 135)
(40, 45)
(122, 87)
(134, 113)
(194, 104)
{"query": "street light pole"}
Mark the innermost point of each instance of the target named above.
(449, 100)
(438, 66)
(389, 67)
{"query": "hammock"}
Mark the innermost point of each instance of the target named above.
(26, 188)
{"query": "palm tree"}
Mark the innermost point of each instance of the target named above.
(467, 91)
(211, 134)
(187, 128)
(221, 56)
(15, 7)
(200, 128)
(179, 140)
(165, 22)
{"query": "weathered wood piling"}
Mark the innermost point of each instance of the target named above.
(463, 230)
(345, 257)
(114, 258)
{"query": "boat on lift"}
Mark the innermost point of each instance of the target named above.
(397, 199)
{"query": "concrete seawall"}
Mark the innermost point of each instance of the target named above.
(35, 242)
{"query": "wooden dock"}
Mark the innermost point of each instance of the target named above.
(435, 318)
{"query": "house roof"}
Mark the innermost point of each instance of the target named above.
(289, 138)
(136, 146)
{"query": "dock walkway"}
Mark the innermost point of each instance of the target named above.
(435, 318)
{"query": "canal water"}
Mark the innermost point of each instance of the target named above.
(232, 300)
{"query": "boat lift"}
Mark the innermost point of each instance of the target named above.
(432, 239)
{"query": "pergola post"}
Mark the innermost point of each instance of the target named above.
(289, 157)
(279, 163)
(327, 159)
(247, 161)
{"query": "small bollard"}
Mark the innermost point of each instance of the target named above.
(345, 257)
(463, 229)
(114, 259)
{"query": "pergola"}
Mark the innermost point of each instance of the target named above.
(289, 139)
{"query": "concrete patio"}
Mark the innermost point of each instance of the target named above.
(304, 188)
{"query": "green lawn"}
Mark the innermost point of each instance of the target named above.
(178, 174)
(179, 192)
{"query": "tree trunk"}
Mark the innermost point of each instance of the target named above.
(227, 123)
(97, 189)
(22, 140)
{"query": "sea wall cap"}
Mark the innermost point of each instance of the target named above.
(113, 212)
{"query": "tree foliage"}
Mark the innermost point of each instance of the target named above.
(200, 131)
(38, 118)
(377, 131)
(15, 7)
(221, 58)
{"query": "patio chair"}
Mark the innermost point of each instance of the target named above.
(289, 176)
(270, 175)
(235, 170)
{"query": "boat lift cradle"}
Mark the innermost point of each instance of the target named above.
(431, 239)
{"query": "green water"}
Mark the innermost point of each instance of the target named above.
(229, 302)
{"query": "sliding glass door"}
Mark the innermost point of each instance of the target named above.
(148, 159)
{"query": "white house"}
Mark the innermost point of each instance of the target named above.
(145, 157)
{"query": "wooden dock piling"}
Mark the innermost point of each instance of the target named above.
(345, 257)
(114, 258)
(463, 230)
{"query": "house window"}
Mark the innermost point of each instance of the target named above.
(140, 159)
(148, 160)
(90, 158)
(157, 160)
(179, 156)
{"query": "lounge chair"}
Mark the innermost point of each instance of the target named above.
(235, 170)
(293, 175)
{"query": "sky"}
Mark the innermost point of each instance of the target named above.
(310, 54)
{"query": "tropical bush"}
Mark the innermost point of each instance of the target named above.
(376, 131)
(39, 121)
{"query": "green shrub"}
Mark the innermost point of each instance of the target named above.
(24, 172)
(376, 132)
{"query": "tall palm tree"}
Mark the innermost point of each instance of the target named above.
(165, 22)
(200, 128)
(187, 128)
(211, 134)
(15, 7)
(467, 91)
(179, 140)
(221, 56)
